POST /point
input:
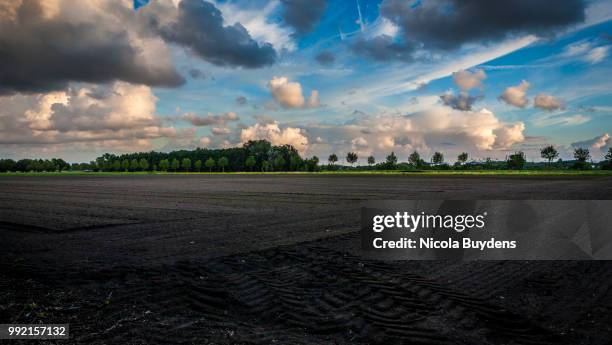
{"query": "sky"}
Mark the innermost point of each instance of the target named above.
(78, 79)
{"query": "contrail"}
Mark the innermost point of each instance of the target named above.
(361, 25)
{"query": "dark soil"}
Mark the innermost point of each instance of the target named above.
(233, 259)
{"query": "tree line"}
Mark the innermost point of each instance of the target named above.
(256, 155)
(261, 155)
(517, 160)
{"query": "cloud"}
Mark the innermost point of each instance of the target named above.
(599, 144)
(241, 100)
(265, 119)
(563, 120)
(425, 131)
(220, 131)
(256, 19)
(325, 58)
(576, 48)
(313, 100)
(105, 115)
(547, 102)
(467, 80)
(462, 101)
(516, 95)
(199, 26)
(303, 15)
(289, 94)
(383, 48)
(201, 121)
(204, 141)
(293, 136)
(587, 51)
(197, 73)
(601, 141)
(383, 26)
(359, 142)
(46, 44)
(448, 24)
(597, 55)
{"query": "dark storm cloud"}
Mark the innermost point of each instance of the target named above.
(303, 15)
(447, 24)
(39, 54)
(325, 58)
(200, 27)
(42, 48)
(461, 101)
(383, 48)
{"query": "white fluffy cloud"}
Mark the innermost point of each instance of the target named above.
(101, 114)
(204, 141)
(272, 132)
(547, 102)
(467, 80)
(598, 145)
(516, 95)
(599, 142)
(289, 94)
(439, 128)
(256, 21)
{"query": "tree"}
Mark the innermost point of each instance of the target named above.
(582, 156)
(186, 164)
(371, 160)
(174, 165)
(134, 164)
(415, 159)
(462, 158)
(310, 164)
(144, 164)
(7, 165)
(125, 164)
(210, 163)
(437, 158)
(279, 163)
(607, 163)
(608, 155)
(332, 159)
(391, 161)
(117, 165)
(549, 153)
(516, 160)
(198, 165)
(250, 162)
(223, 162)
(164, 165)
(265, 165)
(260, 149)
(60, 164)
(351, 158)
(294, 162)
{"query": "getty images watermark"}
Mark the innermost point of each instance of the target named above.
(412, 223)
(487, 229)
